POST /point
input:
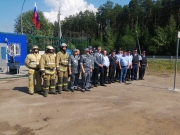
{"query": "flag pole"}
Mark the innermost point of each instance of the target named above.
(176, 62)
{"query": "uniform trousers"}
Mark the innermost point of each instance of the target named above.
(134, 72)
(128, 74)
(49, 83)
(111, 73)
(123, 74)
(96, 72)
(142, 70)
(34, 80)
(62, 80)
(118, 71)
(74, 80)
(105, 73)
(86, 80)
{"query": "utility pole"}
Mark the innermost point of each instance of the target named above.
(21, 17)
(59, 24)
(138, 42)
(176, 62)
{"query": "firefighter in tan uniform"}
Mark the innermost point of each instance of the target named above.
(62, 68)
(48, 71)
(34, 78)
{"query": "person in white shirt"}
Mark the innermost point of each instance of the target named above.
(118, 70)
(128, 75)
(105, 65)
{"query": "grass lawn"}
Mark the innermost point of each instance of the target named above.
(162, 67)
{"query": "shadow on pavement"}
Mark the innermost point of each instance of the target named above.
(21, 89)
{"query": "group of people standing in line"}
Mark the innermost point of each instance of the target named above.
(94, 66)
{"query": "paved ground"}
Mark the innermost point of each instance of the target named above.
(141, 108)
(6, 75)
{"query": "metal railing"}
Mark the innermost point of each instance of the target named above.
(161, 57)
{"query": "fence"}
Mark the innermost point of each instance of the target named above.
(154, 57)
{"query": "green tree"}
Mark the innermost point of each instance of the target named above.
(29, 28)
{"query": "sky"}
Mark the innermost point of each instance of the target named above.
(11, 9)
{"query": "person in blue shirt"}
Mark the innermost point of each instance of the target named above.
(123, 65)
(118, 70)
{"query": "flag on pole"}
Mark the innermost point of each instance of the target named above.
(35, 18)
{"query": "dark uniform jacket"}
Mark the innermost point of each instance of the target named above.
(112, 60)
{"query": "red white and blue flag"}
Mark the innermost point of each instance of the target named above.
(35, 18)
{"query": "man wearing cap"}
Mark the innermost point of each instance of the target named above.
(135, 65)
(128, 74)
(73, 63)
(143, 64)
(118, 70)
(112, 66)
(86, 68)
(98, 67)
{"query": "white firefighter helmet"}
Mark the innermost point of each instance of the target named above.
(63, 44)
(35, 47)
(49, 47)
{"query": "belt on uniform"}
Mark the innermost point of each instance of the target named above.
(51, 69)
(63, 65)
(123, 66)
(34, 68)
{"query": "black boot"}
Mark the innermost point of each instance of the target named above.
(59, 89)
(45, 93)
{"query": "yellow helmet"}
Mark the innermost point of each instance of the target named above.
(49, 47)
(35, 47)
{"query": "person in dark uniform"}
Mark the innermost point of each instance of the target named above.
(143, 64)
(135, 65)
(112, 66)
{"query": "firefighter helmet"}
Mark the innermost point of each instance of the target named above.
(49, 47)
(35, 47)
(63, 44)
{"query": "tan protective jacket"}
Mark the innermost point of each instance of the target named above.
(62, 61)
(47, 62)
(32, 61)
